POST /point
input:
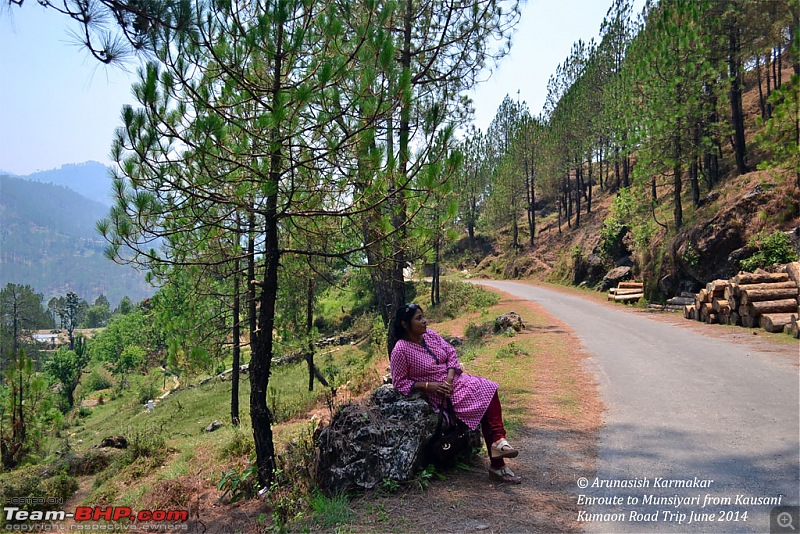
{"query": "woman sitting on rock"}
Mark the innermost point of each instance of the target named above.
(422, 360)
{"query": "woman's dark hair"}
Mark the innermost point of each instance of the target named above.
(398, 331)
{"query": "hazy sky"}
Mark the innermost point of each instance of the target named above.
(58, 105)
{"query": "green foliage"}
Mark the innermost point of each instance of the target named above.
(338, 304)
(377, 338)
(21, 312)
(475, 332)
(424, 477)
(66, 366)
(148, 443)
(772, 249)
(27, 411)
(690, 256)
(288, 502)
(135, 329)
(510, 350)
(99, 378)
(616, 224)
(131, 358)
(236, 485)
(36, 487)
(146, 451)
(241, 444)
(780, 133)
(149, 389)
(458, 298)
(330, 511)
(389, 485)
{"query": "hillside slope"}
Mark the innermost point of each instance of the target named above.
(48, 240)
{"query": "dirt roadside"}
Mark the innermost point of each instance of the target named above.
(557, 443)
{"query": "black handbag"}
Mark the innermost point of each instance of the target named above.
(451, 438)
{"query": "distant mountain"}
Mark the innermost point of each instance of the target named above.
(48, 240)
(90, 179)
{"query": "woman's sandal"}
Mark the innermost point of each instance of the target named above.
(502, 449)
(504, 474)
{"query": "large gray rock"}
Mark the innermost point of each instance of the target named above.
(614, 277)
(367, 444)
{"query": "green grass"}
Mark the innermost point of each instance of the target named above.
(180, 419)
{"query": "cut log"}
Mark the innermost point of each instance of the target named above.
(713, 317)
(631, 297)
(687, 312)
(793, 328)
(736, 289)
(735, 319)
(754, 309)
(749, 322)
(631, 285)
(733, 302)
(703, 295)
(716, 288)
(758, 295)
(624, 291)
(793, 270)
(721, 306)
(614, 291)
(774, 322)
(759, 278)
(680, 301)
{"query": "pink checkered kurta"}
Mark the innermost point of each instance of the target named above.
(412, 363)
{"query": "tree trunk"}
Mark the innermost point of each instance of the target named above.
(677, 211)
(435, 275)
(694, 168)
(399, 202)
(737, 113)
(236, 333)
(793, 39)
(251, 278)
(761, 99)
(589, 184)
(578, 193)
(261, 360)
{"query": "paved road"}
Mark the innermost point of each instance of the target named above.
(694, 425)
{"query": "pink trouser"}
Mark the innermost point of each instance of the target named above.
(492, 427)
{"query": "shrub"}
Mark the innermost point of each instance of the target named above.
(615, 226)
(241, 444)
(147, 391)
(772, 249)
(32, 488)
(237, 486)
(457, 298)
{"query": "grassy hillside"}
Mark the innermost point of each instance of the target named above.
(727, 225)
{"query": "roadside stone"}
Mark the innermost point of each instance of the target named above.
(367, 444)
(215, 425)
(508, 320)
(614, 277)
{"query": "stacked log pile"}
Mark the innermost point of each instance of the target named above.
(760, 299)
(626, 292)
